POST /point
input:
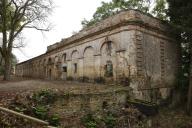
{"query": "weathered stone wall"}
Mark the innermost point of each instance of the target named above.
(90, 57)
(68, 104)
(129, 46)
(157, 66)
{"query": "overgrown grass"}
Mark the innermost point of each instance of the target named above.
(38, 105)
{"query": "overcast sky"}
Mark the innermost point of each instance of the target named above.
(66, 18)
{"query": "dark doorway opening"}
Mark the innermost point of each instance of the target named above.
(50, 73)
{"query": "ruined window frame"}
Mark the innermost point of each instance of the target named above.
(109, 69)
(64, 57)
(64, 69)
(75, 67)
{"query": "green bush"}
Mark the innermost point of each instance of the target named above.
(89, 121)
(110, 120)
(41, 112)
(44, 97)
(54, 120)
(107, 119)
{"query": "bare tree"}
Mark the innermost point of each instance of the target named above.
(15, 16)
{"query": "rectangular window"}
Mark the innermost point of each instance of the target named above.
(108, 69)
(64, 69)
(75, 67)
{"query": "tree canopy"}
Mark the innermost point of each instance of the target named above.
(180, 13)
(110, 8)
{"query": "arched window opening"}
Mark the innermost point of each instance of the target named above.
(50, 61)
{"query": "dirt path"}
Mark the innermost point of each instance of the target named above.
(20, 86)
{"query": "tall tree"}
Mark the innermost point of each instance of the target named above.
(180, 12)
(110, 8)
(15, 16)
(160, 10)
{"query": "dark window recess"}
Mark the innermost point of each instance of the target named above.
(50, 61)
(109, 69)
(64, 69)
(75, 67)
(104, 105)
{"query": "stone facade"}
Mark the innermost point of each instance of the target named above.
(131, 48)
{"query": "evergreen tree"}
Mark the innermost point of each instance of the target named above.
(180, 12)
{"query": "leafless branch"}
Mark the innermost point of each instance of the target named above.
(15, 15)
(40, 29)
(19, 42)
(19, 46)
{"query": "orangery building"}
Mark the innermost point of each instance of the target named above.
(130, 48)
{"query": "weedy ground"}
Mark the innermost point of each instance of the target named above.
(40, 93)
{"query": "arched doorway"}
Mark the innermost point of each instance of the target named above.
(88, 63)
(64, 66)
(50, 74)
(50, 66)
(108, 59)
(74, 64)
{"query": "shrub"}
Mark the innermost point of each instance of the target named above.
(41, 112)
(54, 120)
(44, 97)
(110, 120)
(89, 121)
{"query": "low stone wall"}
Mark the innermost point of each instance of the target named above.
(71, 103)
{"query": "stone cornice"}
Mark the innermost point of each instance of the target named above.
(124, 18)
(130, 17)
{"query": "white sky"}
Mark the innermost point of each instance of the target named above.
(66, 18)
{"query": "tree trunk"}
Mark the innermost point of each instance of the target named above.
(7, 70)
(189, 98)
